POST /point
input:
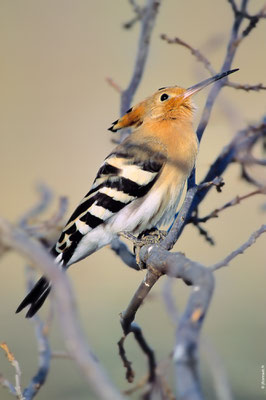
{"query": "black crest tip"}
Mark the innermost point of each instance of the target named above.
(112, 129)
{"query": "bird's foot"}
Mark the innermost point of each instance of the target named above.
(149, 236)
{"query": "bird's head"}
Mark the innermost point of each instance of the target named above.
(168, 103)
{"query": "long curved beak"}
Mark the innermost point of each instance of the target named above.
(196, 88)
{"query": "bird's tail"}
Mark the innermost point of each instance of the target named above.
(36, 297)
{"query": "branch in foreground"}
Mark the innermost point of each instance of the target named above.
(160, 261)
(217, 370)
(65, 306)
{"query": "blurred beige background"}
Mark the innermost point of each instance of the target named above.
(55, 110)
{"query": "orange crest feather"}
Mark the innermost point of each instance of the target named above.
(133, 117)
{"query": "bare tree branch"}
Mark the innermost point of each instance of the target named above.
(65, 306)
(243, 141)
(216, 367)
(113, 84)
(123, 252)
(240, 250)
(181, 219)
(147, 24)
(195, 52)
(207, 64)
(246, 87)
(127, 318)
(16, 390)
(231, 50)
(149, 14)
(235, 201)
(8, 385)
(222, 387)
(139, 11)
(46, 197)
(44, 361)
(160, 261)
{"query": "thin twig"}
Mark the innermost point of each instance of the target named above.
(235, 201)
(231, 50)
(44, 362)
(240, 249)
(130, 374)
(246, 87)
(54, 223)
(181, 219)
(113, 84)
(195, 52)
(15, 364)
(243, 140)
(8, 385)
(139, 11)
(207, 64)
(127, 318)
(45, 200)
(234, 7)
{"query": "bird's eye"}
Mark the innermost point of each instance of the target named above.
(164, 97)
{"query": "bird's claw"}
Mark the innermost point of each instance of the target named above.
(151, 236)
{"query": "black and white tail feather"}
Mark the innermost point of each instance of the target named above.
(112, 205)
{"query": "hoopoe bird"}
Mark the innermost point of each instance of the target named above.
(139, 184)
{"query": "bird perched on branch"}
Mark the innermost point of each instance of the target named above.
(139, 184)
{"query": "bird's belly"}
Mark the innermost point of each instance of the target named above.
(155, 209)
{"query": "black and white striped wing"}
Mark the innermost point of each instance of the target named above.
(120, 180)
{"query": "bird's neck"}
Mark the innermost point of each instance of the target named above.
(174, 138)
